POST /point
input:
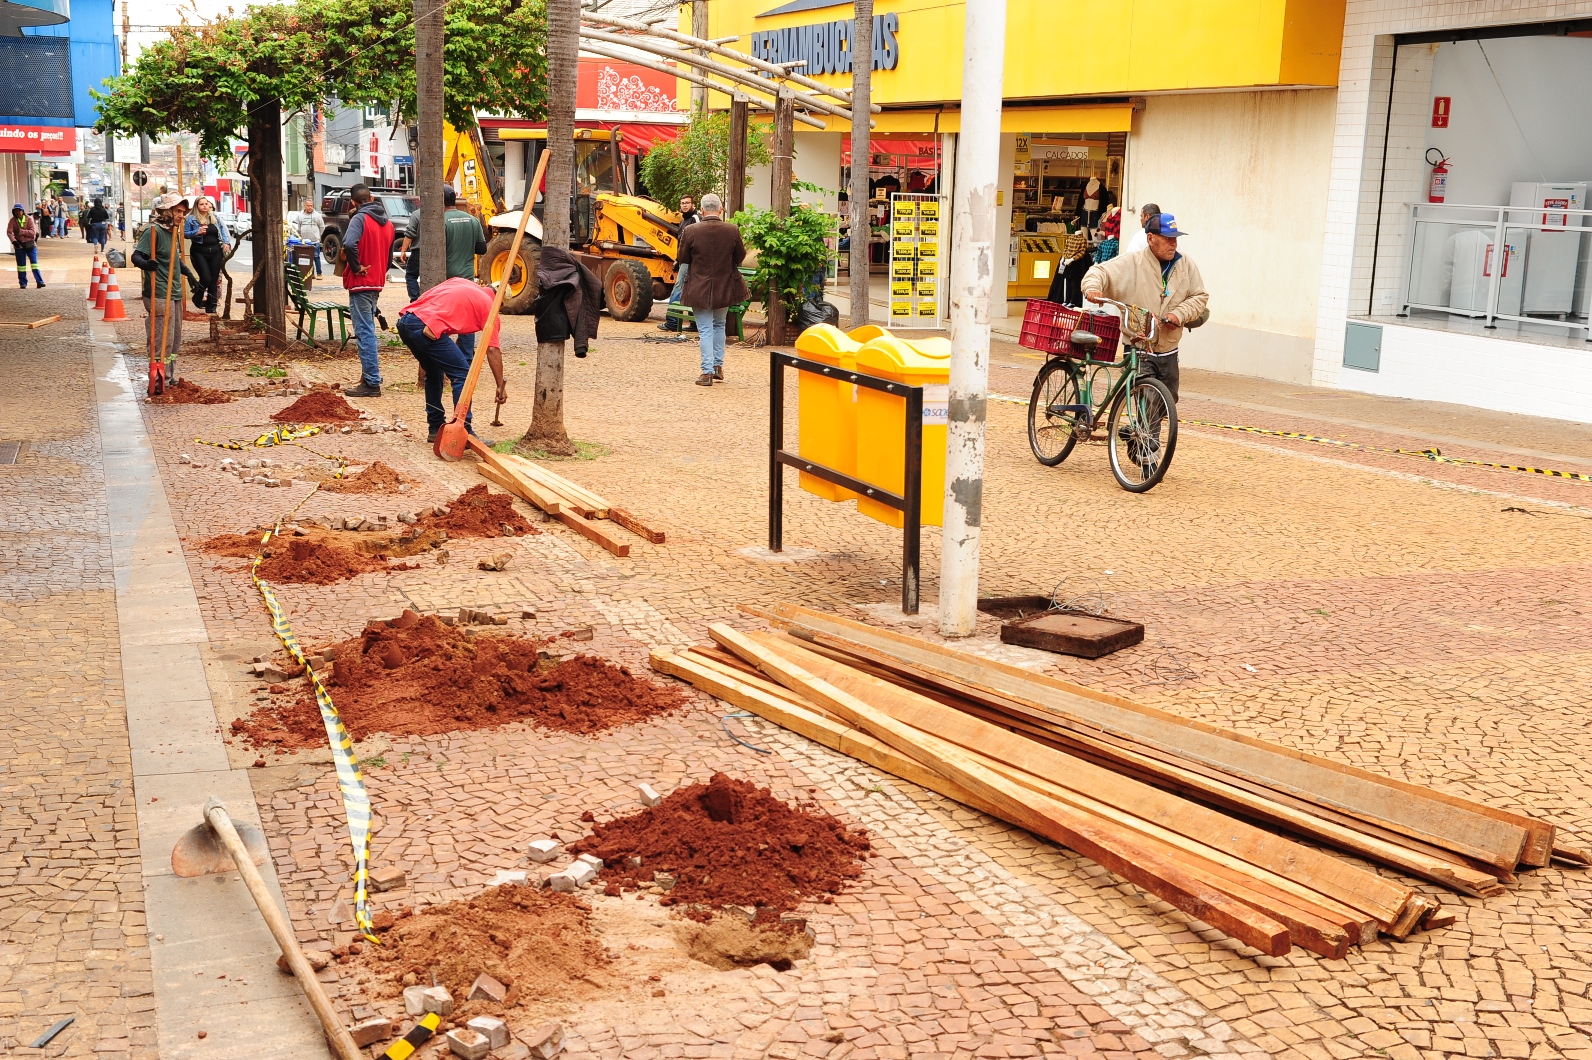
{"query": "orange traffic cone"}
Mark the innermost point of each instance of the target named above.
(101, 285)
(93, 279)
(114, 310)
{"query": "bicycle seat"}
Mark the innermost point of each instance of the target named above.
(1087, 340)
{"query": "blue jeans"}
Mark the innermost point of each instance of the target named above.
(362, 307)
(679, 284)
(99, 235)
(28, 255)
(438, 357)
(60, 226)
(412, 274)
(710, 336)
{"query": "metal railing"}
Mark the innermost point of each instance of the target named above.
(1490, 276)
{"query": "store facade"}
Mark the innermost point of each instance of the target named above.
(1457, 264)
(1224, 118)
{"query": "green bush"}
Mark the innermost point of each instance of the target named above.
(790, 251)
(699, 160)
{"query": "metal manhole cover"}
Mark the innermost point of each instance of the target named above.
(9, 451)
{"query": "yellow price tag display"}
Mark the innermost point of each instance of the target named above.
(900, 309)
(928, 250)
(929, 229)
(929, 211)
(903, 229)
(927, 309)
(904, 251)
(926, 290)
(901, 287)
(927, 269)
(904, 208)
(901, 268)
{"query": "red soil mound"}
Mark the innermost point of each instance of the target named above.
(478, 512)
(417, 677)
(304, 561)
(239, 546)
(540, 944)
(729, 842)
(377, 478)
(318, 406)
(182, 392)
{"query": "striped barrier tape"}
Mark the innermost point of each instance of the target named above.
(356, 803)
(1433, 453)
(418, 1035)
(282, 436)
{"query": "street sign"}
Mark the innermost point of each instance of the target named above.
(140, 178)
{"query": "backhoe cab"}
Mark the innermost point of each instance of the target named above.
(629, 241)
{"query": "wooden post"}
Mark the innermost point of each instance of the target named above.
(430, 149)
(861, 155)
(784, 143)
(265, 195)
(735, 185)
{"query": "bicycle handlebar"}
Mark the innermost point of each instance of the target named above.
(1153, 322)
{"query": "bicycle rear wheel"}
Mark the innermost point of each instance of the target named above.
(1054, 413)
(1142, 431)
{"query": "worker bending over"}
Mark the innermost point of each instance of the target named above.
(429, 325)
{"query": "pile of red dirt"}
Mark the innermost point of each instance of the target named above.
(478, 512)
(377, 478)
(540, 944)
(729, 842)
(414, 676)
(301, 560)
(318, 406)
(239, 546)
(183, 392)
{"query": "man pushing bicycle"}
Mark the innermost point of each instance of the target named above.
(1161, 280)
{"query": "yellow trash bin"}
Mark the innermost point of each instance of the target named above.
(881, 422)
(826, 429)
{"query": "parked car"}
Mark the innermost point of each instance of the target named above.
(337, 207)
(236, 224)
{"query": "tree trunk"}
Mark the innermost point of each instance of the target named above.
(784, 142)
(547, 431)
(861, 154)
(735, 181)
(428, 128)
(265, 199)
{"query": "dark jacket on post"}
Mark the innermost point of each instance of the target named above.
(713, 249)
(570, 299)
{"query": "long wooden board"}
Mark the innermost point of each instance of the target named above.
(635, 526)
(592, 532)
(495, 471)
(1383, 899)
(590, 505)
(1507, 839)
(1129, 858)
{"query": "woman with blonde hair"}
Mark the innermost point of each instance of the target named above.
(208, 239)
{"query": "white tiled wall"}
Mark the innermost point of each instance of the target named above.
(1369, 26)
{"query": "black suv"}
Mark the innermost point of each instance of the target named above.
(338, 208)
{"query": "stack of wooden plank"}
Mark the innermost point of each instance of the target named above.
(569, 502)
(1189, 812)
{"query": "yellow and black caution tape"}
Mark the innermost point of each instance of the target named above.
(1433, 453)
(418, 1035)
(286, 435)
(356, 803)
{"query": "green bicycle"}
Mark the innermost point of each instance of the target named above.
(1074, 391)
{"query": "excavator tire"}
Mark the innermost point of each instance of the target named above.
(522, 287)
(627, 289)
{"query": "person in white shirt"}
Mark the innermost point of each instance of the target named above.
(310, 226)
(1139, 240)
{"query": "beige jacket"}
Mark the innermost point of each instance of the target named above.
(1136, 279)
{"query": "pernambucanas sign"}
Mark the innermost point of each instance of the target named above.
(826, 46)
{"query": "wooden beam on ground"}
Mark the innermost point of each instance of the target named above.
(635, 526)
(29, 324)
(592, 506)
(1106, 844)
(525, 491)
(592, 532)
(1503, 838)
(1106, 793)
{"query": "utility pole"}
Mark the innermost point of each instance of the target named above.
(699, 29)
(784, 144)
(428, 127)
(735, 185)
(973, 260)
(861, 154)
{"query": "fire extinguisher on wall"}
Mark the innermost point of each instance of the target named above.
(1439, 186)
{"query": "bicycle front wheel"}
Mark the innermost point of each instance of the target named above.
(1142, 430)
(1055, 411)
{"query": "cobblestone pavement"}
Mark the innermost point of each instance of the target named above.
(1381, 609)
(72, 929)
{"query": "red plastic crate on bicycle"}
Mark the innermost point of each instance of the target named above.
(1048, 328)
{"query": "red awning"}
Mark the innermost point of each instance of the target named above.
(634, 137)
(917, 152)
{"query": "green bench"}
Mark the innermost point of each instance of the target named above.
(681, 315)
(300, 300)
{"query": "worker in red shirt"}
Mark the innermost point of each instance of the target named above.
(428, 324)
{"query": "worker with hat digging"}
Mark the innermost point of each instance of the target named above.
(163, 295)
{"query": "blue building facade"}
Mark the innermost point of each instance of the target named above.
(53, 52)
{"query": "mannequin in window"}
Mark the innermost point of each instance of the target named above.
(1096, 200)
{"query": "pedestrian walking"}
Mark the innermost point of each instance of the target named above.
(121, 223)
(162, 294)
(311, 226)
(99, 223)
(429, 325)
(367, 251)
(44, 218)
(59, 212)
(714, 251)
(23, 235)
(208, 240)
(688, 217)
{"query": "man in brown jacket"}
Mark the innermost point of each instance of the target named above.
(713, 249)
(1161, 281)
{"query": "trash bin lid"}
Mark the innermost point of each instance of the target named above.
(922, 361)
(827, 343)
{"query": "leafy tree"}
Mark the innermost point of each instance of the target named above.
(791, 251)
(698, 161)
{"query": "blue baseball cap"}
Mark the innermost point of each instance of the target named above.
(1164, 224)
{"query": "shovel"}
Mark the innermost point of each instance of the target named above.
(218, 845)
(453, 439)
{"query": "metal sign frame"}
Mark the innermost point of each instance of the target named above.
(909, 502)
(916, 277)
